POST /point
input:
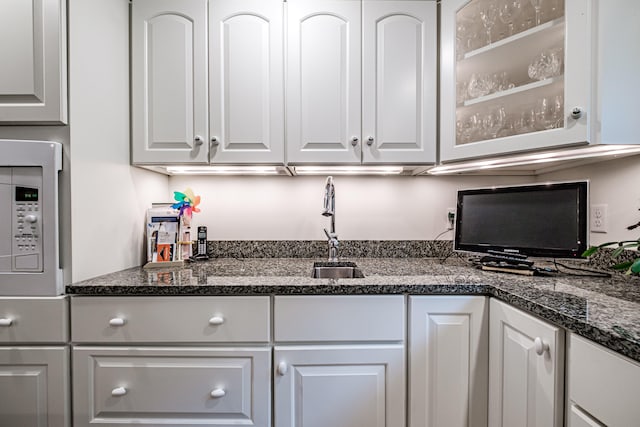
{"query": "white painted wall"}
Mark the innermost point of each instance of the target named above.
(382, 208)
(615, 183)
(108, 196)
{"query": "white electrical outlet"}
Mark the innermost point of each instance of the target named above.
(451, 217)
(599, 219)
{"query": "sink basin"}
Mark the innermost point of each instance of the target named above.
(336, 270)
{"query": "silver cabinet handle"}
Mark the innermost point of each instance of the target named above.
(198, 139)
(576, 113)
(216, 320)
(354, 140)
(214, 141)
(370, 141)
(118, 391)
(117, 321)
(541, 347)
(6, 322)
(218, 392)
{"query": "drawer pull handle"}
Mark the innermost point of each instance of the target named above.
(6, 322)
(119, 391)
(216, 320)
(283, 368)
(117, 321)
(540, 346)
(219, 392)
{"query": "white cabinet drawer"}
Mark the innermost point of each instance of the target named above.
(604, 384)
(339, 318)
(34, 320)
(171, 386)
(170, 319)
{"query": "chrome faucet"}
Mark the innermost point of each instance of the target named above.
(329, 209)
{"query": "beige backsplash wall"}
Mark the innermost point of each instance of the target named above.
(380, 208)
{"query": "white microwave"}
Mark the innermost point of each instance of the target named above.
(29, 223)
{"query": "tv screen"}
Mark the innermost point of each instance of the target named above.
(544, 220)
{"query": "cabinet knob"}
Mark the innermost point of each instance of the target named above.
(370, 141)
(117, 321)
(198, 139)
(283, 368)
(119, 391)
(214, 141)
(541, 347)
(354, 140)
(218, 392)
(576, 113)
(216, 320)
(6, 322)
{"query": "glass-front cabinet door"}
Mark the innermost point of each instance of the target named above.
(516, 76)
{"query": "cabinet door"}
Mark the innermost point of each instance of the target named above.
(509, 85)
(247, 79)
(33, 74)
(448, 361)
(167, 386)
(323, 81)
(526, 359)
(169, 81)
(34, 386)
(339, 386)
(399, 81)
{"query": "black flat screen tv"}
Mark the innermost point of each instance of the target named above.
(541, 220)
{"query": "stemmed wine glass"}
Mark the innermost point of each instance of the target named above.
(537, 5)
(509, 10)
(488, 14)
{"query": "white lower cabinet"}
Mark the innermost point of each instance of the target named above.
(526, 375)
(448, 337)
(171, 361)
(603, 387)
(339, 361)
(34, 362)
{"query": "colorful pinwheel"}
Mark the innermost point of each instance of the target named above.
(187, 202)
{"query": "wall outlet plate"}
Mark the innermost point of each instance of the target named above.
(599, 219)
(451, 217)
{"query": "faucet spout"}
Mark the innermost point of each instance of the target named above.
(329, 209)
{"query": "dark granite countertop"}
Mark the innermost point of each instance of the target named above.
(605, 310)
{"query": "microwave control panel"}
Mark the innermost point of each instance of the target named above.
(23, 186)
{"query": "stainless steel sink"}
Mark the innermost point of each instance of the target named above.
(336, 270)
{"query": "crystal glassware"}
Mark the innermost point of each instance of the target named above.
(537, 5)
(488, 14)
(509, 11)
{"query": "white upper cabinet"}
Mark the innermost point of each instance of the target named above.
(361, 80)
(169, 81)
(399, 82)
(323, 81)
(513, 79)
(33, 74)
(247, 78)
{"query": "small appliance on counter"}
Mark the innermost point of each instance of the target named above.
(202, 243)
(29, 229)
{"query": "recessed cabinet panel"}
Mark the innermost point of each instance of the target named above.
(448, 361)
(399, 81)
(34, 387)
(33, 77)
(323, 81)
(526, 359)
(246, 65)
(169, 68)
(346, 386)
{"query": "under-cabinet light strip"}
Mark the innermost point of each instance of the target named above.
(535, 159)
